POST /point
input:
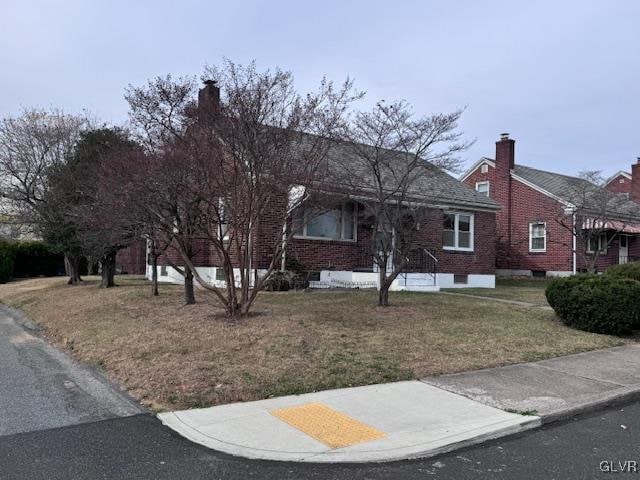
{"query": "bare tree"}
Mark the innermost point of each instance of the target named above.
(31, 146)
(163, 112)
(234, 163)
(393, 152)
(260, 152)
(595, 217)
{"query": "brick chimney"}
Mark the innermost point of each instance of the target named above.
(208, 99)
(634, 194)
(505, 154)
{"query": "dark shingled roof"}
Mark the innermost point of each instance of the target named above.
(435, 187)
(568, 188)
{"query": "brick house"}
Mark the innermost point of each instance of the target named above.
(532, 234)
(456, 241)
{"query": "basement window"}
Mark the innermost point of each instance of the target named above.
(459, 279)
(313, 276)
(163, 270)
(220, 274)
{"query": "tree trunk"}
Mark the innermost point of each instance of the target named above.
(108, 270)
(383, 293)
(189, 294)
(72, 267)
(154, 275)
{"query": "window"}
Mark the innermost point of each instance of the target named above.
(597, 243)
(460, 279)
(220, 274)
(621, 180)
(457, 231)
(223, 226)
(538, 237)
(163, 271)
(484, 168)
(336, 224)
(482, 188)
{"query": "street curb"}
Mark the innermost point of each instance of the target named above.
(610, 399)
(235, 450)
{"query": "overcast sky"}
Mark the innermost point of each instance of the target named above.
(562, 77)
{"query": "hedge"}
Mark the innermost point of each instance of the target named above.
(36, 259)
(28, 259)
(7, 255)
(596, 303)
(626, 270)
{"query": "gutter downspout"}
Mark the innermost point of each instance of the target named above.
(574, 244)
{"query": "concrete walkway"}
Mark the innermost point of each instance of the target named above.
(557, 388)
(372, 423)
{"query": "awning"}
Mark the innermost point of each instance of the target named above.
(618, 226)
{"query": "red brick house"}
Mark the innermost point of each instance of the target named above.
(456, 241)
(532, 234)
(619, 182)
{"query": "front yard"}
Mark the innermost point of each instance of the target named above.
(521, 290)
(173, 356)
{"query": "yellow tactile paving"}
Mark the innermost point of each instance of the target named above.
(334, 429)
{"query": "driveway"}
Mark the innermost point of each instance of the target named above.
(42, 388)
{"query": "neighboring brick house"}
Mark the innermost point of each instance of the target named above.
(619, 183)
(133, 259)
(537, 205)
(456, 244)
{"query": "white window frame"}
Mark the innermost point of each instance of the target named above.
(487, 183)
(306, 214)
(537, 250)
(456, 231)
(602, 239)
(484, 168)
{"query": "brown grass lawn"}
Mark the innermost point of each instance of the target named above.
(173, 356)
(523, 290)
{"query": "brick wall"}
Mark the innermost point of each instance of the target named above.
(620, 184)
(512, 223)
(132, 259)
(344, 255)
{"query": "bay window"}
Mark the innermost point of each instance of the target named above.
(457, 231)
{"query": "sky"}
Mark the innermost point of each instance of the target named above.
(562, 77)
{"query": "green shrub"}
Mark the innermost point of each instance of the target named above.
(626, 270)
(7, 255)
(596, 303)
(277, 282)
(35, 259)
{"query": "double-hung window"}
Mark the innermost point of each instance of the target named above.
(482, 188)
(336, 224)
(538, 237)
(457, 231)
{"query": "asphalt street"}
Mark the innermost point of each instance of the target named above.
(41, 388)
(139, 447)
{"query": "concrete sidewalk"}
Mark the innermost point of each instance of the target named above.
(362, 424)
(555, 389)
(416, 418)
